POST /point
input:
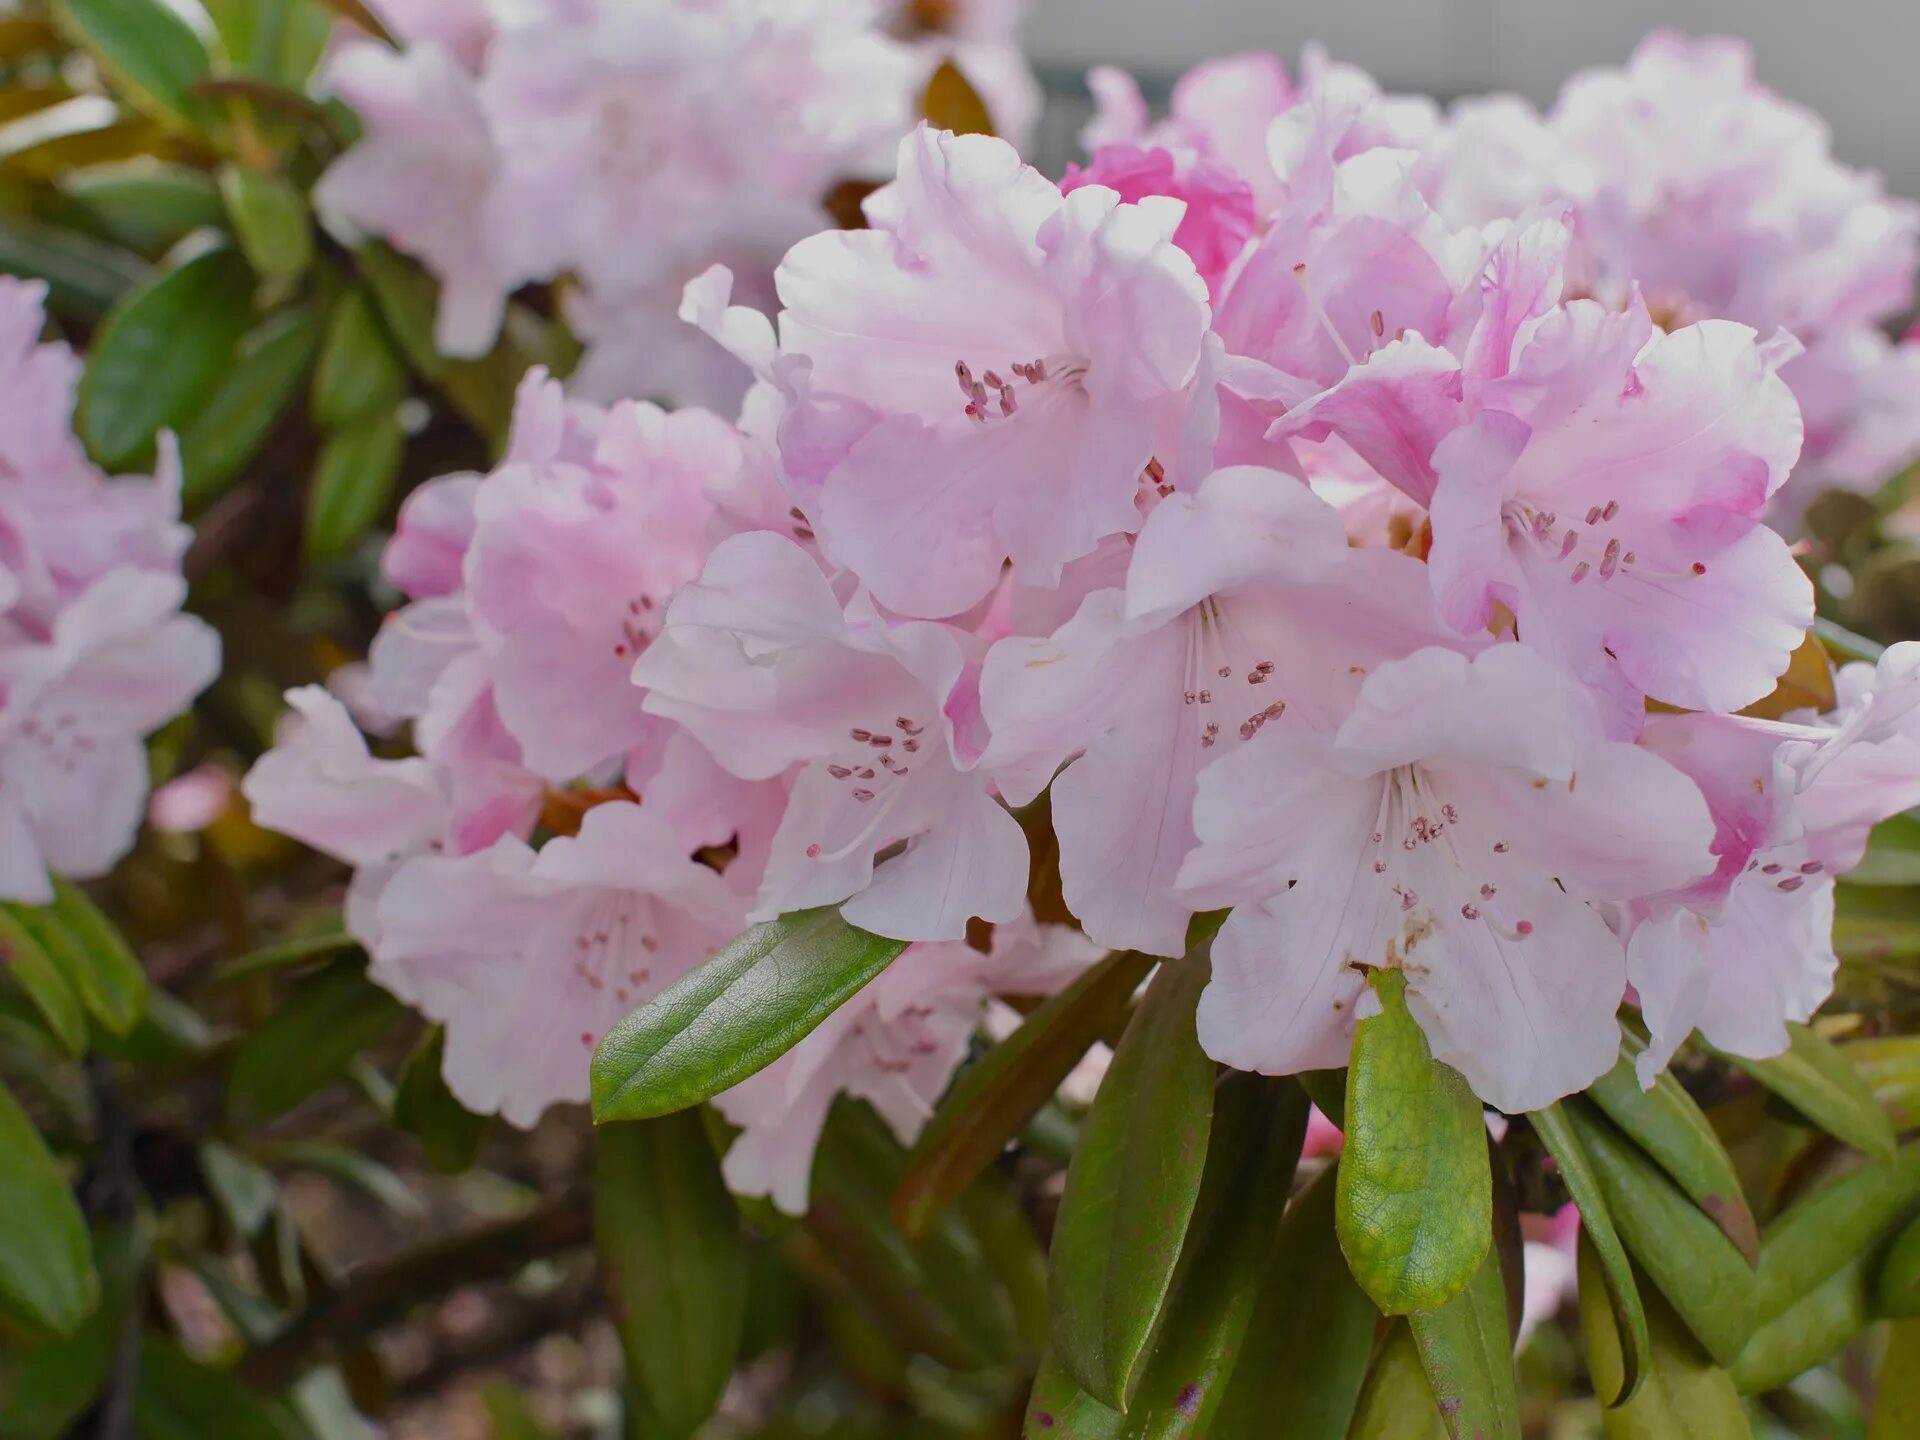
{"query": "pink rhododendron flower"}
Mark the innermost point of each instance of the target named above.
(896, 1045)
(1073, 324)
(1461, 818)
(1220, 216)
(759, 661)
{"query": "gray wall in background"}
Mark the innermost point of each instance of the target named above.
(1857, 62)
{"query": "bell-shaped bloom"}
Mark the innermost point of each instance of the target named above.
(896, 1045)
(529, 958)
(1022, 357)
(121, 660)
(1243, 609)
(1750, 949)
(1454, 827)
(761, 664)
(1609, 495)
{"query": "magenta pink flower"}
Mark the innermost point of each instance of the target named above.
(1220, 216)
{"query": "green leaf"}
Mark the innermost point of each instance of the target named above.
(1467, 1352)
(351, 1168)
(161, 352)
(509, 1412)
(1820, 1082)
(1258, 1126)
(180, 1399)
(1688, 1256)
(330, 938)
(146, 203)
(322, 1023)
(171, 1032)
(1890, 1064)
(748, 1005)
(1684, 1396)
(151, 55)
(1814, 1328)
(85, 277)
(406, 297)
(352, 483)
(994, 1098)
(1822, 1231)
(1132, 1188)
(1304, 1356)
(1058, 1409)
(95, 956)
(1415, 1205)
(675, 1260)
(1396, 1402)
(359, 373)
(1596, 1224)
(44, 979)
(1665, 1122)
(249, 402)
(278, 40)
(1897, 1291)
(1328, 1091)
(1896, 1409)
(47, 1280)
(246, 1191)
(449, 1133)
(270, 221)
(45, 1387)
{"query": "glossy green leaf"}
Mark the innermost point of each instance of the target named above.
(675, 1261)
(251, 399)
(1824, 1230)
(1685, 1396)
(47, 1280)
(93, 955)
(146, 203)
(1896, 1409)
(992, 1100)
(449, 1133)
(270, 221)
(1415, 1205)
(1258, 1125)
(85, 277)
(1665, 1122)
(181, 1399)
(153, 57)
(279, 40)
(1396, 1402)
(1304, 1355)
(1132, 1188)
(753, 1001)
(1635, 1346)
(1813, 1329)
(1689, 1257)
(1818, 1080)
(45, 1387)
(1466, 1348)
(353, 480)
(1058, 1409)
(359, 373)
(44, 980)
(309, 1041)
(161, 352)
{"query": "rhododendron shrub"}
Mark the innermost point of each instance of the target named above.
(916, 787)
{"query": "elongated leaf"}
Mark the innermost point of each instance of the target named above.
(270, 221)
(277, 40)
(45, 1387)
(449, 1133)
(994, 1098)
(1396, 1402)
(44, 980)
(94, 956)
(324, 1022)
(1896, 1409)
(1058, 1409)
(359, 373)
(675, 1260)
(1131, 1190)
(1466, 1349)
(1415, 1208)
(1820, 1082)
(146, 203)
(1328, 1091)
(1689, 1257)
(171, 1032)
(47, 1280)
(350, 1168)
(1684, 1396)
(246, 1191)
(330, 939)
(1813, 1238)
(1596, 1224)
(1897, 1291)
(1890, 1064)
(1304, 1356)
(249, 402)
(746, 1007)
(85, 277)
(999, 1227)
(1814, 1328)
(161, 352)
(1665, 1122)
(181, 1399)
(1258, 1125)
(152, 55)
(352, 483)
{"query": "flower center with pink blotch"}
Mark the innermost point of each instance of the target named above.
(638, 623)
(612, 948)
(872, 764)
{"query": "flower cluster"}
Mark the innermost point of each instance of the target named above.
(627, 145)
(94, 652)
(1393, 576)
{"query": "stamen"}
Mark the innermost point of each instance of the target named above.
(1319, 313)
(1610, 561)
(1579, 573)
